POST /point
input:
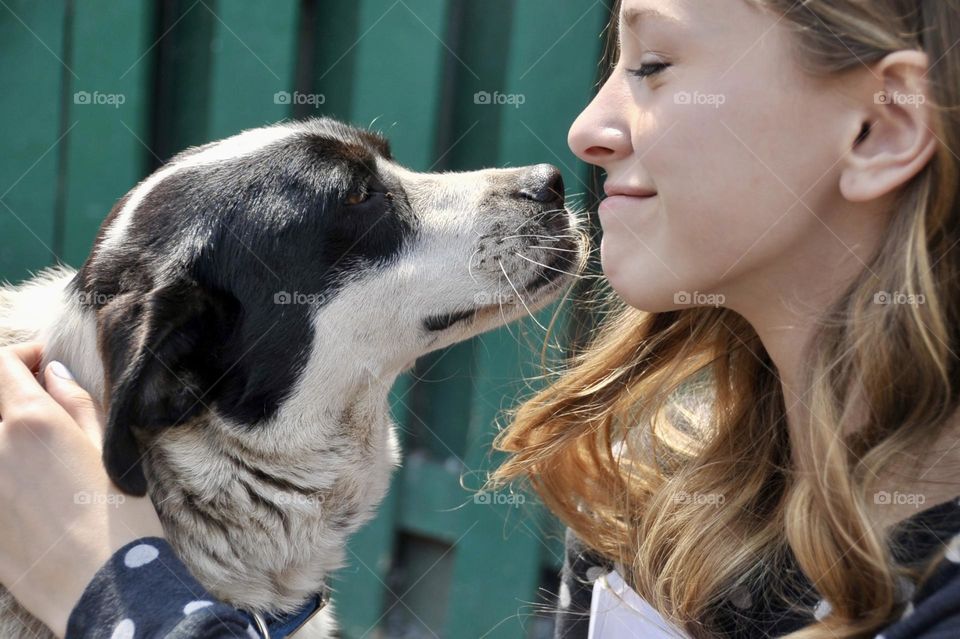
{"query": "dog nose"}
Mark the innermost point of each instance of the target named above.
(543, 184)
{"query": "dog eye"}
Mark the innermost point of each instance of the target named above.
(356, 197)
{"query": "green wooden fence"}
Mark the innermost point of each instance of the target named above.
(98, 93)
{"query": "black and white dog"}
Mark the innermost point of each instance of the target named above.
(242, 316)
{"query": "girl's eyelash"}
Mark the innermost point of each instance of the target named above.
(647, 70)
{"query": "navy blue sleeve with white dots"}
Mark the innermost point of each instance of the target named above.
(934, 612)
(144, 591)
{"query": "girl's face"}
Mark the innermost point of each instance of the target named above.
(722, 159)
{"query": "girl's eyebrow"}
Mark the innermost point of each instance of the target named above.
(632, 16)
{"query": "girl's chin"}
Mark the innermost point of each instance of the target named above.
(614, 262)
(642, 294)
(608, 262)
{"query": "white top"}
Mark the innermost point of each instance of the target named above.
(618, 612)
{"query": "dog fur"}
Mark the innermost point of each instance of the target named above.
(242, 316)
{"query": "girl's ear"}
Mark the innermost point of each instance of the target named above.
(893, 142)
(156, 376)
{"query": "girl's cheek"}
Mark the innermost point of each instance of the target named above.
(701, 224)
(691, 140)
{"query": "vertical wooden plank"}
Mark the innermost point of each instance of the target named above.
(335, 34)
(226, 65)
(253, 69)
(108, 107)
(501, 555)
(396, 83)
(31, 43)
(548, 80)
(182, 82)
(444, 387)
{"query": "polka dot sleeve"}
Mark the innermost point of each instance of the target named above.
(143, 591)
(934, 611)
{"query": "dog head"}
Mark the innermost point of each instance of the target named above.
(246, 272)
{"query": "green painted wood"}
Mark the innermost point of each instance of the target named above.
(444, 386)
(252, 72)
(107, 150)
(182, 90)
(226, 66)
(548, 80)
(433, 504)
(31, 45)
(470, 135)
(501, 554)
(334, 66)
(396, 84)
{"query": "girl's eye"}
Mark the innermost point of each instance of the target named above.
(647, 70)
(356, 197)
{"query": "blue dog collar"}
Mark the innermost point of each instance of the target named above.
(283, 625)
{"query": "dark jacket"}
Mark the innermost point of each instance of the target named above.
(930, 612)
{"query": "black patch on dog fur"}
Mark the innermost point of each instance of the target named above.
(200, 307)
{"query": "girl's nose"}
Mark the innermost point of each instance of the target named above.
(599, 135)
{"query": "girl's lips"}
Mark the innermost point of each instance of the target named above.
(630, 191)
(618, 201)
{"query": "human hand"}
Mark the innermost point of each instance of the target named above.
(63, 517)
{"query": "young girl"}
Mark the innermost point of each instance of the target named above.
(762, 440)
(763, 436)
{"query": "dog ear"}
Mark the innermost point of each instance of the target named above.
(155, 378)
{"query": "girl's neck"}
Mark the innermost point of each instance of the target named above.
(918, 481)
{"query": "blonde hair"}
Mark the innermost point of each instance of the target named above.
(663, 411)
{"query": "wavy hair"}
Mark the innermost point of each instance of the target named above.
(662, 443)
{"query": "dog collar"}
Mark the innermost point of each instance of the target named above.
(283, 625)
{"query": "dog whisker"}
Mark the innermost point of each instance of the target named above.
(520, 297)
(470, 265)
(505, 321)
(554, 248)
(545, 237)
(540, 215)
(523, 257)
